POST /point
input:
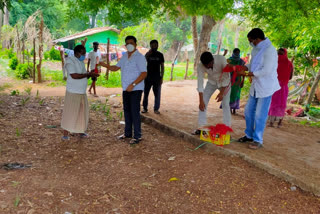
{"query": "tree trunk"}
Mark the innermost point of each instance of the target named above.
(207, 24)
(1, 22)
(34, 61)
(313, 88)
(93, 20)
(194, 33)
(221, 26)
(23, 51)
(236, 38)
(6, 44)
(195, 38)
(40, 49)
(6, 16)
(18, 48)
(175, 58)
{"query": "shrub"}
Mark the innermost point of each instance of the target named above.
(10, 53)
(26, 54)
(13, 63)
(23, 71)
(54, 54)
(32, 52)
(46, 55)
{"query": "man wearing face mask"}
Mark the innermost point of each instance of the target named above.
(263, 71)
(155, 67)
(75, 116)
(213, 65)
(133, 72)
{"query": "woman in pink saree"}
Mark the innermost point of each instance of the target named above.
(279, 98)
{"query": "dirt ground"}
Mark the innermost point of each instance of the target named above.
(293, 148)
(102, 175)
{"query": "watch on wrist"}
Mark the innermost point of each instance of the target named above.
(247, 73)
(134, 84)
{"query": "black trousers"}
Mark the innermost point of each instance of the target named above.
(131, 109)
(156, 87)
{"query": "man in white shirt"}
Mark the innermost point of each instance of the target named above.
(75, 116)
(213, 65)
(263, 70)
(133, 67)
(93, 60)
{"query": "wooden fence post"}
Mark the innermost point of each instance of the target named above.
(187, 66)
(175, 58)
(108, 53)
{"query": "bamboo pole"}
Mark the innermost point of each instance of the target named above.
(108, 52)
(187, 66)
(34, 61)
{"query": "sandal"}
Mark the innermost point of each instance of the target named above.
(196, 132)
(134, 141)
(84, 135)
(122, 137)
(65, 138)
(255, 145)
(245, 139)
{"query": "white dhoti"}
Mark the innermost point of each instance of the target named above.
(75, 116)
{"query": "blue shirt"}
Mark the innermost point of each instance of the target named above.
(131, 68)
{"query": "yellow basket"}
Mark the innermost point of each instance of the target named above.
(219, 140)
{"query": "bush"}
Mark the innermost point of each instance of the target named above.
(10, 53)
(23, 71)
(54, 54)
(46, 55)
(32, 52)
(13, 63)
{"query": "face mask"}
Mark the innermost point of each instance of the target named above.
(130, 47)
(82, 57)
(252, 45)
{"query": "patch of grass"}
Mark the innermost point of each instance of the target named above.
(24, 101)
(28, 90)
(95, 106)
(55, 76)
(37, 94)
(120, 115)
(16, 201)
(18, 132)
(107, 113)
(56, 84)
(5, 86)
(114, 80)
(178, 72)
(41, 102)
(310, 123)
(15, 92)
